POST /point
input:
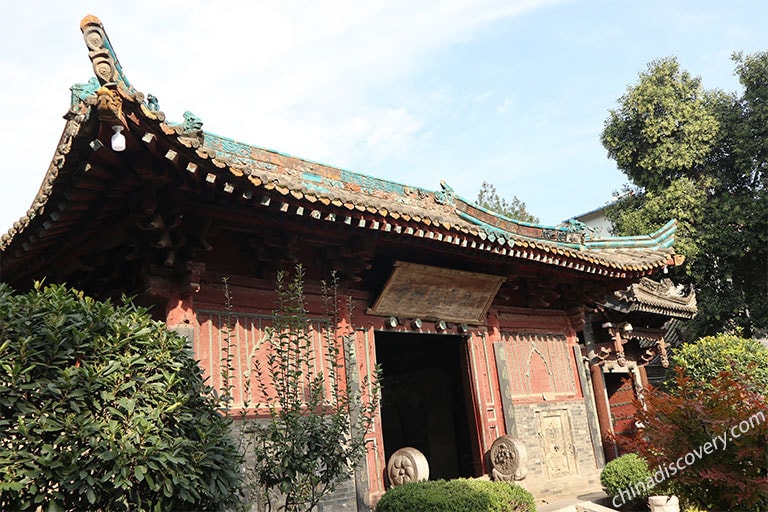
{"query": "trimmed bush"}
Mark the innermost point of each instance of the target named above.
(460, 495)
(102, 408)
(623, 474)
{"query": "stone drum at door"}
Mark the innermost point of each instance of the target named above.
(508, 458)
(407, 465)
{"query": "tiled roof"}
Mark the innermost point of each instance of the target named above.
(661, 297)
(257, 175)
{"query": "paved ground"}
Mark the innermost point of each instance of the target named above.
(559, 502)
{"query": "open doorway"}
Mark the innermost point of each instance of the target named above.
(424, 399)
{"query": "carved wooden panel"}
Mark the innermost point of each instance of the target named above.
(365, 364)
(485, 390)
(244, 336)
(539, 365)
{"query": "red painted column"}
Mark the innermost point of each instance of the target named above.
(603, 411)
(643, 376)
(602, 406)
(178, 310)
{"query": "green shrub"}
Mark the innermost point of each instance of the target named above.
(101, 408)
(460, 495)
(705, 359)
(623, 474)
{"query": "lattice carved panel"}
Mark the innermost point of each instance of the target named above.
(539, 365)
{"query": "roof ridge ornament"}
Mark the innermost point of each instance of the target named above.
(190, 132)
(105, 64)
(445, 196)
(576, 226)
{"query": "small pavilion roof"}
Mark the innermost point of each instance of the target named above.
(660, 297)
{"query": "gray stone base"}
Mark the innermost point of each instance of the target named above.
(561, 459)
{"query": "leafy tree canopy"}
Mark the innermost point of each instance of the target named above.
(102, 408)
(704, 361)
(489, 199)
(700, 156)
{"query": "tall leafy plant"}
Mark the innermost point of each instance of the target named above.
(102, 408)
(314, 435)
(704, 360)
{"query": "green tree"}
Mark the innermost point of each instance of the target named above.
(704, 360)
(318, 418)
(700, 156)
(102, 408)
(489, 199)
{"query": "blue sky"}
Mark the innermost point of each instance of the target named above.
(511, 92)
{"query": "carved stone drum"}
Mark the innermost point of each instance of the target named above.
(407, 465)
(508, 459)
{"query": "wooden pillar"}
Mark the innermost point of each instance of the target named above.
(603, 412)
(643, 375)
(602, 406)
(593, 420)
(178, 292)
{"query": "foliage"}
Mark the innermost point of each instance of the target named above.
(708, 443)
(623, 473)
(704, 361)
(489, 199)
(459, 495)
(663, 129)
(318, 419)
(101, 408)
(700, 156)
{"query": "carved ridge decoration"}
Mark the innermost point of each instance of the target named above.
(99, 50)
(662, 297)
(434, 293)
(109, 105)
(190, 132)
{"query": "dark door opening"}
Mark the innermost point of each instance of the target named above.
(424, 400)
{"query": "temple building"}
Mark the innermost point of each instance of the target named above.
(481, 324)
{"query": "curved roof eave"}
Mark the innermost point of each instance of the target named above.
(441, 216)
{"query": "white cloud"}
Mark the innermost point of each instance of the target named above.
(505, 106)
(383, 87)
(295, 76)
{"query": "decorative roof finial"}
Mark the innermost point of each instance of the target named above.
(445, 196)
(105, 63)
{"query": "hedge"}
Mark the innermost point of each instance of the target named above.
(459, 495)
